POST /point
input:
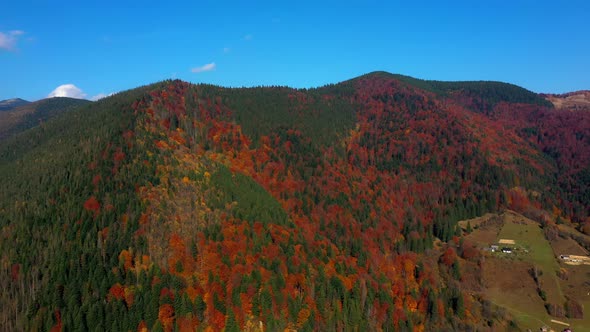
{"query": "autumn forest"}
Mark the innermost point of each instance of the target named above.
(181, 207)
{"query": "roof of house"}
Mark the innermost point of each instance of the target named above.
(506, 241)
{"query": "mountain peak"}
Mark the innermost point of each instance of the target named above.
(12, 103)
(485, 94)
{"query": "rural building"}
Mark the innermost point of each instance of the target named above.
(507, 241)
(575, 259)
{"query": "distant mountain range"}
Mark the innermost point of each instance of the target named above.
(347, 207)
(12, 103)
(19, 115)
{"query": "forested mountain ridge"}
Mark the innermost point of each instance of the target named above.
(180, 206)
(27, 115)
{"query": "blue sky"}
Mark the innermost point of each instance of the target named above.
(107, 46)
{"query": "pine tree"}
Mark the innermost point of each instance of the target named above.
(456, 270)
(230, 323)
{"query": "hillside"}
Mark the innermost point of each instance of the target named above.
(180, 206)
(482, 95)
(533, 281)
(27, 115)
(578, 100)
(11, 103)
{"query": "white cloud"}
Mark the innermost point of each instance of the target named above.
(67, 90)
(208, 67)
(8, 39)
(101, 95)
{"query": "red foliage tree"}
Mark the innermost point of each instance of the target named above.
(14, 271)
(96, 180)
(117, 292)
(449, 256)
(58, 325)
(92, 205)
(142, 327)
(166, 316)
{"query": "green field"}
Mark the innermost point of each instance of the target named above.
(516, 291)
(529, 236)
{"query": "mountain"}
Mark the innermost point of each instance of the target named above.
(345, 207)
(12, 103)
(572, 100)
(20, 118)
